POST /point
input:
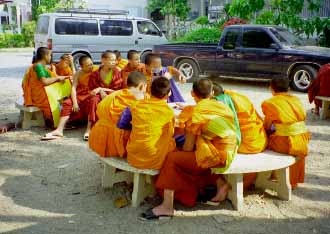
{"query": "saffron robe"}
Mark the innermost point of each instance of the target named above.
(285, 120)
(105, 138)
(151, 138)
(320, 86)
(127, 70)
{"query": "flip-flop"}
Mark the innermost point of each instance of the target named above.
(149, 215)
(50, 136)
(86, 136)
(314, 112)
(211, 203)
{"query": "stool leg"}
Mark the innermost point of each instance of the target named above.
(40, 119)
(235, 195)
(324, 110)
(26, 124)
(138, 189)
(108, 176)
(284, 187)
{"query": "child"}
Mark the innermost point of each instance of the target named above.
(133, 65)
(65, 67)
(105, 138)
(120, 62)
(154, 69)
(285, 124)
(152, 124)
(103, 82)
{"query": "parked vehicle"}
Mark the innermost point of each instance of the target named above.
(254, 52)
(91, 32)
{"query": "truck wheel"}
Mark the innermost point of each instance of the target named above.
(302, 77)
(188, 68)
(76, 58)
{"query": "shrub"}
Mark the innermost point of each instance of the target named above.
(28, 31)
(11, 40)
(206, 35)
(202, 20)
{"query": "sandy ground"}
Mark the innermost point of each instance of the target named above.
(55, 187)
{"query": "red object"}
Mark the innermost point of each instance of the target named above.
(234, 21)
(320, 86)
(50, 44)
(181, 174)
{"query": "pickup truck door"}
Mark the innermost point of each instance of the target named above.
(228, 53)
(260, 55)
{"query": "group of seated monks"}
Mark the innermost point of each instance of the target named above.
(129, 116)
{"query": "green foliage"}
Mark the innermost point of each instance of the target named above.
(206, 35)
(202, 20)
(11, 40)
(266, 17)
(245, 9)
(47, 6)
(177, 8)
(28, 31)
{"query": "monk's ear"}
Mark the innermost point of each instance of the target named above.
(169, 94)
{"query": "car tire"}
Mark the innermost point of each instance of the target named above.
(302, 76)
(189, 68)
(76, 58)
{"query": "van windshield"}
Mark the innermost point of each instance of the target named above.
(42, 26)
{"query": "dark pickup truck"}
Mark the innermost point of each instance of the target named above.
(254, 52)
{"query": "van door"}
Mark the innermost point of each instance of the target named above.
(116, 34)
(148, 35)
(41, 36)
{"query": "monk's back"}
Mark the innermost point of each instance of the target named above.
(152, 134)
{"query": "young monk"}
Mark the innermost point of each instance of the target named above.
(134, 64)
(152, 124)
(250, 125)
(76, 107)
(37, 82)
(103, 82)
(65, 67)
(211, 141)
(320, 87)
(105, 138)
(120, 62)
(285, 123)
(154, 69)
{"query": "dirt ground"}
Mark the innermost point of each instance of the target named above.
(55, 187)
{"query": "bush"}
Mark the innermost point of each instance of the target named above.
(206, 35)
(28, 31)
(202, 20)
(11, 41)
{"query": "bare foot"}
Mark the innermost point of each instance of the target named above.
(161, 210)
(221, 193)
(56, 133)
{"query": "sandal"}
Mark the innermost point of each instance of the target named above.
(86, 136)
(149, 215)
(50, 136)
(315, 112)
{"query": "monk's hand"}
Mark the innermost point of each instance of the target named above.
(103, 93)
(75, 107)
(95, 91)
(61, 78)
(167, 75)
(182, 79)
(179, 106)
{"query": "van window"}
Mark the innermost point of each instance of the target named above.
(116, 27)
(148, 28)
(231, 39)
(43, 23)
(256, 38)
(67, 26)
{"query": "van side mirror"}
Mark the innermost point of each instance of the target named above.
(274, 46)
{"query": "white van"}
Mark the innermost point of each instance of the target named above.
(91, 32)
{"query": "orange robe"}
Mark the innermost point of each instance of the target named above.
(63, 69)
(189, 172)
(34, 92)
(149, 76)
(253, 134)
(286, 113)
(121, 64)
(320, 86)
(151, 138)
(127, 70)
(105, 138)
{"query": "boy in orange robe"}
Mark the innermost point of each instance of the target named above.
(120, 62)
(76, 107)
(65, 67)
(211, 142)
(134, 64)
(105, 138)
(151, 138)
(253, 134)
(103, 82)
(285, 123)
